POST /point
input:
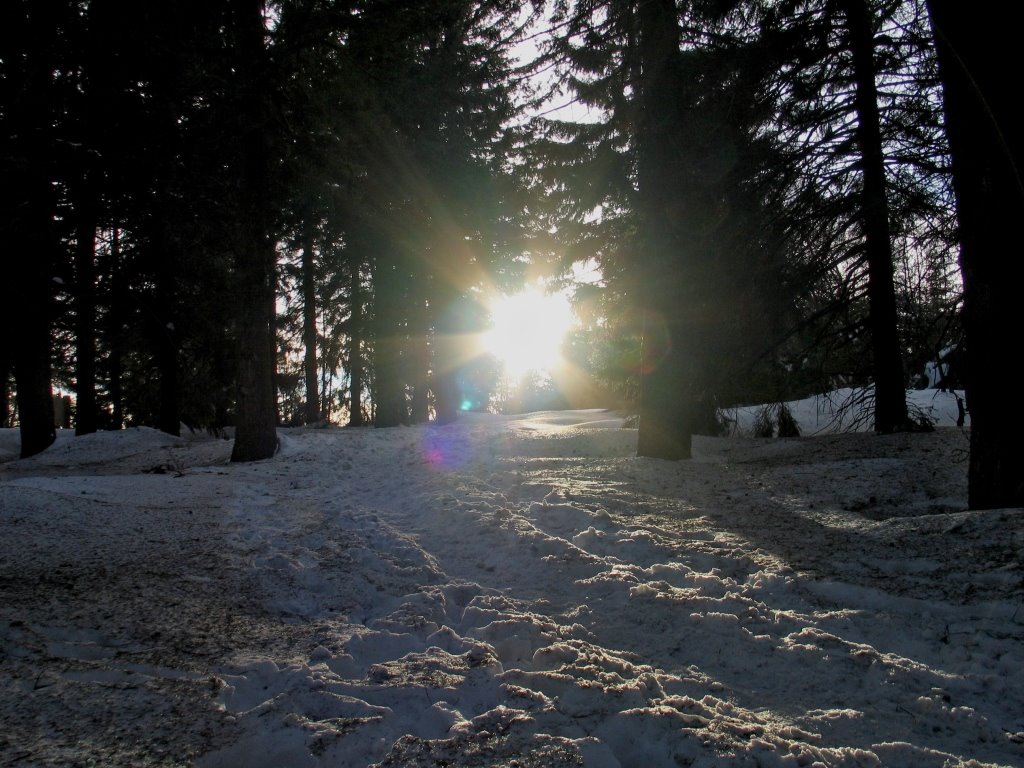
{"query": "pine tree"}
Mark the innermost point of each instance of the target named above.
(435, 97)
(975, 56)
(86, 408)
(851, 77)
(255, 258)
(30, 105)
(890, 378)
(674, 216)
(309, 326)
(676, 168)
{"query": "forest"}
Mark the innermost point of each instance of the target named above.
(252, 214)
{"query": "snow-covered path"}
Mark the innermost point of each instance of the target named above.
(506, 592)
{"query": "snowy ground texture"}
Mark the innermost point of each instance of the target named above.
(508, 591)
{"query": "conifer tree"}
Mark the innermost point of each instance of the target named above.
(890, 378)
(975, 56)
(255, 257)
(30, 106)
(676, 169)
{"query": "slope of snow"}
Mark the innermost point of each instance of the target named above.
(843, 410)
(507, 591)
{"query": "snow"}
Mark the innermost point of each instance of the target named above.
(509, 591)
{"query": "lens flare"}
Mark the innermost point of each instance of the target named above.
(528, 330)
(444, 448)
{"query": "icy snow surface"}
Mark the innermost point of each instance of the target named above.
(507, 591)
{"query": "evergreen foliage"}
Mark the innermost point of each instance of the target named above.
(244, 214)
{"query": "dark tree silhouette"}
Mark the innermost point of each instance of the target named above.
(255, 258)
(309, 325)
(977, 52)
(27, 228)
(671, 362)
(86, 409)
(887, 359)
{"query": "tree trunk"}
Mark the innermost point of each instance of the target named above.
(448, 355)
(28, 320)
(164, 260)
(163, 329)
(977, 51)
(164, 254)
(27, 228)
(309, 332)
(86, 411)
(890, 384)
(31, 348)
(389, 389)
(420, 413)
(355, 342)
(255, 257)
(115, 332)
(32, 379)
(30, 352)
(420, 352)
(667, 274)
(5, 392)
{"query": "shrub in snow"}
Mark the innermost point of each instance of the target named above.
(775, 418)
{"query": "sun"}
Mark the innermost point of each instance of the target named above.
(527, 331)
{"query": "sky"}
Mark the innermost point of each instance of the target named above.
(510, 591)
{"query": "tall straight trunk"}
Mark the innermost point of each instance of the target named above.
(887, 359)
(977, 51)
(163, 248)
(163, 328)
(255, 257)
(420, 406)
(5, 392)
(448, 335)
(86, 411)
(309, 333)
(671, 369)
(420, 353)
(31, 347)
(389, 386)
(165, 259)
(32, 373)
(355, 342)
(115, 333)
(27, 228)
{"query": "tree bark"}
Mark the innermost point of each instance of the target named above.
(255, 257)
(449, 331)
(419, 352)
(977, 52)
(420, 407)
(887, 359)
(86, 410)
(309, 331)
(27, 229)
(669, 272)
(115, 332)
(355, 341)
(162, 315)
(31, 348)
(389, 386)
(5, 392)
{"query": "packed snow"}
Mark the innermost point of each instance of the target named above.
(509, 591)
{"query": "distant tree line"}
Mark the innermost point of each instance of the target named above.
(173, 170)
(249, 213)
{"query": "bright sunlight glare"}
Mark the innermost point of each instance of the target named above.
(527, 330)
